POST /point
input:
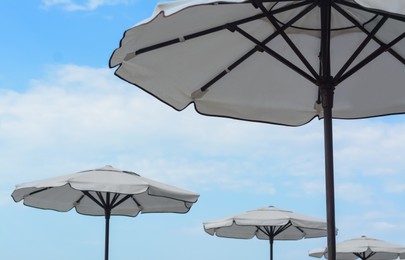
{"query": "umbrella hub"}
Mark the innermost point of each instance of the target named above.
(326, 91)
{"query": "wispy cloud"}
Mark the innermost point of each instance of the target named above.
(78, 117)
(79, 5)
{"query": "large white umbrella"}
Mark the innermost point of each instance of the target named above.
(106, 191)
(364, 248)
(268, 223)
(282, 62)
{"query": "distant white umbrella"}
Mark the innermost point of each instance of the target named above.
(106, 191)
(364, 248)
(268, 223)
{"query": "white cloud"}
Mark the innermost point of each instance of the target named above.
(354, 192)
(395, 187)
(79, 5)
(78, 118)
(383, 225)
(370, 147)
(378, 222)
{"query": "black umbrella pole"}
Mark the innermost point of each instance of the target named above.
(329, 183)
(271, 248)
(107, 232)
(327, 92)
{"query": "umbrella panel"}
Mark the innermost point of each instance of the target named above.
(224, 51)
(58, 198)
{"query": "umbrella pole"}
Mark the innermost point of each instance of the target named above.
(327, 92)
(329, 184)
(107, 232)
(271, 248)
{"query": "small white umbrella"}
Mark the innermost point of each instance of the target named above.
(364, 248)
(268, 223)
(106, 191)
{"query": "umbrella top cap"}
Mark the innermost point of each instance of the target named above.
(272, 208)
(363, 237)
(109, 168)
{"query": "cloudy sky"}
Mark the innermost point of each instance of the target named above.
(62, 110)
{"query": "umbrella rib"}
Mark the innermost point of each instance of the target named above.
(361, 27)
(260, 46)
(37, 191)
(371, 57)
(265, 230)
(114, 199)
(287, 39)
(136, 202)
(283, 8)
(373, 11)
(120, 201)
(77, 202)
(370, 35)
(376, 12)
(272, 231)
(93, 198)
(371, 254)
(362, 255)
(195, 35)
(283, 228)
(226, 71)
(300, 229)
(100, 196)
(214, 29)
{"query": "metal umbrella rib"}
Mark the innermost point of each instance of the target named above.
(194, 35)
(261, 46)
(363, 255)
(107, 204)
(361, 27)
(284, 35)
(272, 232)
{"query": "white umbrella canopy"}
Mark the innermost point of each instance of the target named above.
(281, 62)
(268, 223)
(365, 248)
(105, 191)
(193, 52)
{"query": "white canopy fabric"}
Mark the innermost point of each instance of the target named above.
(261, 88)
(287, 225)
(66, 192)
(364, 248)
(393, 6)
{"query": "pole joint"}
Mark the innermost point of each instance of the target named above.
(327, 90)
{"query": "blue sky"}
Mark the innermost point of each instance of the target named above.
(62, 110)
